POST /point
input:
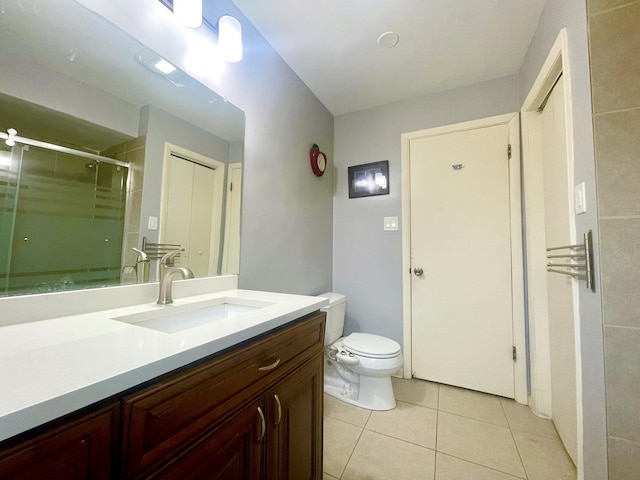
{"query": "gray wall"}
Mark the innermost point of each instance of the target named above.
(367, 261)
(160, 127)
(615, 68)
(571, 14)
(286, 236)
(44, 86)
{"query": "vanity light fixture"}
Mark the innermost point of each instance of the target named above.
(230, 38)
(188, 12)
(228, 30)
(10, 141)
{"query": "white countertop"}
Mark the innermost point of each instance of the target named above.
(49, 368)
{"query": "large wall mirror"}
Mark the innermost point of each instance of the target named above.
(113, 150)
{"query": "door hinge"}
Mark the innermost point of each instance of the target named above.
(231, 187)
(515, 354)
(509, 151)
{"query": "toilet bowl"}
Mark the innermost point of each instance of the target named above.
(358, 367)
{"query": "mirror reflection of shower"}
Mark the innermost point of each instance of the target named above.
(62, 217)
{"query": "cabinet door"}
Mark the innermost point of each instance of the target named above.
(232, 452)
(75, 450)
(295, 414)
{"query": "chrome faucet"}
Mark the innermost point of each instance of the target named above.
(167, 273)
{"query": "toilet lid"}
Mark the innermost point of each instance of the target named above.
(373, 346)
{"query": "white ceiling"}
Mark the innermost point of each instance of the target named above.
(332, 45)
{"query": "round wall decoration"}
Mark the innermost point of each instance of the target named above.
(318, 160)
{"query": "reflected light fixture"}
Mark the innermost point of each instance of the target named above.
(188, 12)
(10, 141)
(230, 38)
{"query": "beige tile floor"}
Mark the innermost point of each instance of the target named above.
(438, 432)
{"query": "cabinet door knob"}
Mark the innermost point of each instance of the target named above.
(263, 426)
(270, 367)
(279, 405)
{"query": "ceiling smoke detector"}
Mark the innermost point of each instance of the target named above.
(388, 40)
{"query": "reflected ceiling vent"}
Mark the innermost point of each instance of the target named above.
(158, 65)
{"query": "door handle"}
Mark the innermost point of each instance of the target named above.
(418, 271)
(270, 367)
(263, 427)
(279, 405)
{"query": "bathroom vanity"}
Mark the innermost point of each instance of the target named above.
(249, 407)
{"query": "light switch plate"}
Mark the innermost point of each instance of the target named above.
(390, 224)
(153, 223)
(580, 199)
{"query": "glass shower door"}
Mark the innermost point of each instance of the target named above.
(68, 223)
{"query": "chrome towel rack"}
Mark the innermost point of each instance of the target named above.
(155, 251)
(580, 258)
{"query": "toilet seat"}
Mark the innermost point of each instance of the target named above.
(371, 346)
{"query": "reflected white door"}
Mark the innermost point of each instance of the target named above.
(231, 251)
(190, 214)
(560, 288)
(462, 325)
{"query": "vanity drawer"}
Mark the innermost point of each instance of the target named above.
(165, 418)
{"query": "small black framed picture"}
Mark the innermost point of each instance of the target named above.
(369, 179)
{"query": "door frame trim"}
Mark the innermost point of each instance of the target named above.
(556, 64)
(227, 219)
(517, 268)
(219, 171)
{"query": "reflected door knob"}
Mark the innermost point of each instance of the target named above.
(418, 271)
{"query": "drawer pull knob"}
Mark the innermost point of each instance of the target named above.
(270, 367)
(263, 427)
(279, 405)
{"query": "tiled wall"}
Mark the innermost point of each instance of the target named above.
(614, 37)
(132, 152)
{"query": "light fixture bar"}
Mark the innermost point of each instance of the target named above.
(188, 12)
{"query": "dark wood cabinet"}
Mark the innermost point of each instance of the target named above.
(235, 451)
(164, 419)
(71, 449)
(252, 412)
(295, 451)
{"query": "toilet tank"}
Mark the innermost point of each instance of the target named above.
(335, 316)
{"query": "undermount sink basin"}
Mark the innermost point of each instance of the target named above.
(176, 318)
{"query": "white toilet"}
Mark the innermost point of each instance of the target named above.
(358, 367)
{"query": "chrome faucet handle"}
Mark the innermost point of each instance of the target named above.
(169, 256)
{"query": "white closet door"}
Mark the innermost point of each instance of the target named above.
(200, 233)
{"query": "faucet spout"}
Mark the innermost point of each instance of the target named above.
(167, 274)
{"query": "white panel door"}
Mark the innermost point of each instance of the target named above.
(176, 227)
(462, 325)
(190, 204)
(560, 288)
(201, 231)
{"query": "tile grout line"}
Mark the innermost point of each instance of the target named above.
(477, 420)
(401, 440)
(524, 469)
(483, 466)
(617, 110)
(355, 446)
(613, 9)
(347, 422)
